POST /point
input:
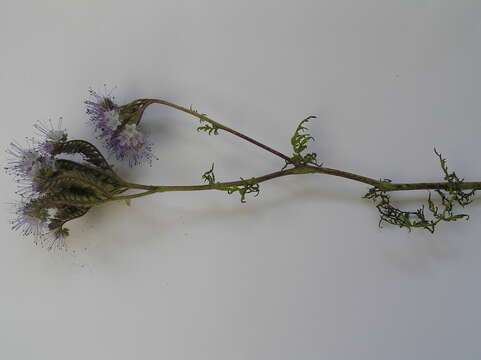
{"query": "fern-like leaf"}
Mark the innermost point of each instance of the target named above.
(208, 127)
(209, 176)
(299, 142)
(417, 219)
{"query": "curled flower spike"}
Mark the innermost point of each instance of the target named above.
(118, 127)
(54, 189)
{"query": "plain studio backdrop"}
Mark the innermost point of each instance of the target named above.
(302, 271)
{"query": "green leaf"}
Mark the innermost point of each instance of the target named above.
(208, 128)
(299, 142)
(209, 176)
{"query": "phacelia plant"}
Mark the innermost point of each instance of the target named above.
(60, 180)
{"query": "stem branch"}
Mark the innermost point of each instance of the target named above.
(298, 170)
(217, 125)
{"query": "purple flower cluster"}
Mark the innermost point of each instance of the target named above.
(34, 220)
(39, 166)
(28, 164)
(123, 139)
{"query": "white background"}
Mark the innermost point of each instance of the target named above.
(302, 271)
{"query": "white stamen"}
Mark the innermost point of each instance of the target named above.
(112, 118)
(130, 136)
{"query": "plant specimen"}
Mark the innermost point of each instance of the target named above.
(61, 179)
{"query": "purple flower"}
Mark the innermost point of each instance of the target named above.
(56, 239)
(30, 165)
(111, 119)
(29, 221)
(51, 135)
(103, 114)
(58, 180)
(29, 162)
(33, 219)
(23, 162)
(131, 137)
(118, 128)
(130, 144)
(28, 188)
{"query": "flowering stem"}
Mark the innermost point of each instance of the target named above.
(297, 170)
(216, 125)
(56, 189)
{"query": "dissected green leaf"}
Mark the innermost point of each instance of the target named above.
(299, 142)
(448, 198)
